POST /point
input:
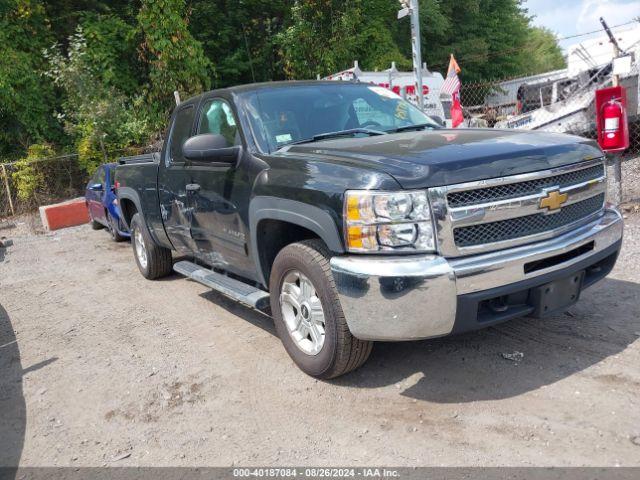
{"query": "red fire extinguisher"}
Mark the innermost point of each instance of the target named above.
(612, 118)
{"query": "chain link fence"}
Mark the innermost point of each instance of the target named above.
(26, 186)
(548, 102)
(553, 102)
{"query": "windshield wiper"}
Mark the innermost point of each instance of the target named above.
(339, 133)
(351, 131)
(420, 126)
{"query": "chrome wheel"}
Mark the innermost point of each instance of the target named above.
(141, 251)
(302, 312)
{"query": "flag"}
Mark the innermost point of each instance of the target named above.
(456, 110)
(451, 86)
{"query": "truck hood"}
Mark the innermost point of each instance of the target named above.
(446, 156)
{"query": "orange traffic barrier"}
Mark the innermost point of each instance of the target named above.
(65, 214)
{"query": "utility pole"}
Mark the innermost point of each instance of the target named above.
(411, 7)
(615, 81)
(616, 49)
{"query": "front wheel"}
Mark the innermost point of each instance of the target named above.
(153, 260)
(307, 313)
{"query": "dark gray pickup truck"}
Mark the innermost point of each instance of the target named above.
(356, 218)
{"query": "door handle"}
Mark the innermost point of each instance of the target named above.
(192, 187)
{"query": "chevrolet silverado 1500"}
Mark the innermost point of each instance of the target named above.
(357, 218)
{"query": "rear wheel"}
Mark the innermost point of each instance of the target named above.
(153, 260)
(113, 228)
(307, 313)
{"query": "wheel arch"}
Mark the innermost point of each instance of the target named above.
(275, 223)
(129, 204)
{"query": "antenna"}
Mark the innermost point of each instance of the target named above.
(246, 45)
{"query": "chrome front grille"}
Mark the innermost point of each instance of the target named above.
(514, 190)
(524, 226)
(503, 212)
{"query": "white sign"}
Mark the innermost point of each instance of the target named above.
(403, 13)
(622, 65)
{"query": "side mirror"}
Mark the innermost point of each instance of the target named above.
(210, 147)
(438, 120)
(95, 187)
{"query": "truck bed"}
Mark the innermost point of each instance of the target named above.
(136, 180)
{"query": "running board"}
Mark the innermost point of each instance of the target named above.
(232, 288)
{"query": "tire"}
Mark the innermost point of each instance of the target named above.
(113, 229)
(157, 261)
(96, 225)
(340, 352)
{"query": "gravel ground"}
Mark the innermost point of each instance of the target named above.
(101, 367)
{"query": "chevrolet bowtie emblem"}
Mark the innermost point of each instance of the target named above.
(553, 200)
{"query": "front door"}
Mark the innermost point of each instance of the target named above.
(217, 228)
(94, 197)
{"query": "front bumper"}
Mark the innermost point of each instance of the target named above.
(423, 296)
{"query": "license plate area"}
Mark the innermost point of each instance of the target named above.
(556, 296)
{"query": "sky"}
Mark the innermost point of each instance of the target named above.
(571, 17)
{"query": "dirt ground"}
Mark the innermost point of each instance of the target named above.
(99, 366)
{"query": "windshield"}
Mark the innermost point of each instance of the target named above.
(285, 115)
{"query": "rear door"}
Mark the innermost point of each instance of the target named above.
(173, 179)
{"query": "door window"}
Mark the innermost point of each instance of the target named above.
(216, 117)
(98, 177)
(180, 132)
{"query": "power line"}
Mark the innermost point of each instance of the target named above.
(595, 31)
(519, 49)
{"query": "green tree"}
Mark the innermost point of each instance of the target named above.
(240, 38)
(100, 119)
(322, 37)
(541, 52)
(111, 51)
(173, 58)
(119, 90)
(491, 39)
(27, 100)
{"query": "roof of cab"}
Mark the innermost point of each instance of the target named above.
(257, 86)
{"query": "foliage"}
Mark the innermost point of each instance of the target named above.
(111, 51)
(26, 176)
(322, 37)
(26, 102)
(543, 52)
(108, 83)
(240, 37)
(174, 59)
(96, 114)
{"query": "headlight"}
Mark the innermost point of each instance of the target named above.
(388, 221)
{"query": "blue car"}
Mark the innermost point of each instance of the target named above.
(102, 203)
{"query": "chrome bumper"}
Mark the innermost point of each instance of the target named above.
(415, 297)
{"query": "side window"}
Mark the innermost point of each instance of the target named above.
(98, 177)
(216, 117)
(180, 132)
